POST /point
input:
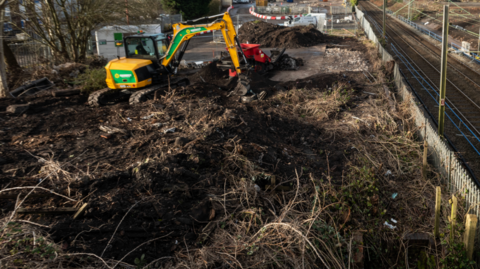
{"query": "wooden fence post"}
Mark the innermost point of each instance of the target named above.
(438, 202)
(470, 231)
(425, 163)
(453, 218)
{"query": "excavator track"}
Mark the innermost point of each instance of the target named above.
(109, 96)
(102, 97)
(143, 95)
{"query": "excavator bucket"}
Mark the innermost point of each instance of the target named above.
(243, 85)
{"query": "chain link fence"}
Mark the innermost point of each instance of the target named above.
(31, 54)
(340, 24)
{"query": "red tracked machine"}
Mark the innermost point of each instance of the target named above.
(260, 62)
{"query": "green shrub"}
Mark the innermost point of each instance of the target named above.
(92, 80)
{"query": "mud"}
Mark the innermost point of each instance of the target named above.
(210, 74)
(166, 177)
(146, 183)
(275, 36)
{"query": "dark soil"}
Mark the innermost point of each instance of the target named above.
(275, 36)
(164, 178)
(210, 74)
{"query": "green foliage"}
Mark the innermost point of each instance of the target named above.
(140, 262)
(416, 16)
(190, 9)
(382, 41)
(92, 80)
(17, 240)
(426, 262)
(354, 2)
(456, 257)
(362, 193)
(215, 7)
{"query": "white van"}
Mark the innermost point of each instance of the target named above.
(305, 21)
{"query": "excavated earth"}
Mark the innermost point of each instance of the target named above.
(158, 177)
(275, 36)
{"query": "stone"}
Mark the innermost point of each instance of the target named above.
(181, 141)
(17, 109)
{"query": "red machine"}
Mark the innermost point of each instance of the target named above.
(255, 57)
(260, 62)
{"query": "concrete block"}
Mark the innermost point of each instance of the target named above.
(358, 255)
(417, 239)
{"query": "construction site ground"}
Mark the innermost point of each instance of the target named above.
(183, 171)
(334, 55)
(197, 179)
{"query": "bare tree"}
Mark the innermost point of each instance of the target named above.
(65, 25)
(145, 11)
(3, 73)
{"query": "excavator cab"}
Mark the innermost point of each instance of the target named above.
(150, 47)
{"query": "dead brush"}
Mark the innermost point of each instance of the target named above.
(55, 172)
(313, 223)
(262, 229)
(318, 103)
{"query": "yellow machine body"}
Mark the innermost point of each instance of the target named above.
(133, 72)
(122, 73)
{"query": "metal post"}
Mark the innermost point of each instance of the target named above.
(331, 12)
(331, 27)
(384, 18)
(443, 75)
(409, 4)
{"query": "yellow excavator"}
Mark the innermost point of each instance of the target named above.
(152, 59)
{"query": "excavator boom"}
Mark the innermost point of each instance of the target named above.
(183, 32)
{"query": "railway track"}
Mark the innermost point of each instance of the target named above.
(419, 60)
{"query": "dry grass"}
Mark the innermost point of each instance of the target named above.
(305, 221)
(313, 223)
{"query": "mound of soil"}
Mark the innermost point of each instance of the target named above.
(276, 36)
(211, 74)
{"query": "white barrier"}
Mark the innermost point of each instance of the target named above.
(272, 17)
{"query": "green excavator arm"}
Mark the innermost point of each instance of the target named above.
(184, 31)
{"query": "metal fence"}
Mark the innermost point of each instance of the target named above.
(452, 171)
(296, 10)
(458, 48)
(340, 10)
(31, 54)
(340, 22)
